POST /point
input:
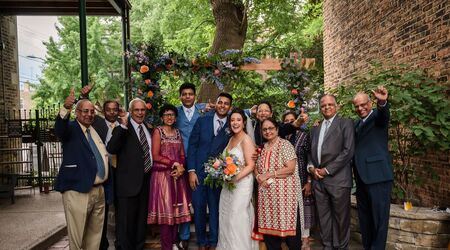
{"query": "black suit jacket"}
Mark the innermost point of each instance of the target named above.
(337, 151)
(130, 160)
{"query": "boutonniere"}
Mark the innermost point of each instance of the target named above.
(201, 112)
(227, 131)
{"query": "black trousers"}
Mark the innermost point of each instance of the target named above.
(293, 242)
(131, 219)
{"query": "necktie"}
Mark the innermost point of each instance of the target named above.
(146, 148)
(97, 155)
(219, 127)
(189, 114)
(323, 132)
(113, 157)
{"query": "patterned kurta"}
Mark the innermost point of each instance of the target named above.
(278, 203)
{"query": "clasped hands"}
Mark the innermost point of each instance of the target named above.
(318, 173)
(264, 180)
(177, 170)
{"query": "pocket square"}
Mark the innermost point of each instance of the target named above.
(70, 166)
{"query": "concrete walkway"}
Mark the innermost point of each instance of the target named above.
(35, 221)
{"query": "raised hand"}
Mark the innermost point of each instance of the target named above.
(301, 119)
(87, 89)
(380, 93)
(209, 106)
(70, 100)
(123, 117)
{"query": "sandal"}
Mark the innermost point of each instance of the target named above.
(305, 244)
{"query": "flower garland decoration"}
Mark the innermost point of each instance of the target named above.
(148, 63)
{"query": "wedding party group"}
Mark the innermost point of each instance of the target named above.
(239, 175)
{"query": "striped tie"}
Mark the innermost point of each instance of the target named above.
(146, 148)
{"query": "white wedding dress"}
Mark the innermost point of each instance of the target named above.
(236, 213)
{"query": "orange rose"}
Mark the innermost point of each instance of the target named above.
(229, 160)
(291, 104)
(226, 171)
(231, 169)
(294, 91)
(144, 69)
(148, 105)
(150, 93)
(147, 81)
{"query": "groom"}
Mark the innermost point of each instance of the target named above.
(209, 138)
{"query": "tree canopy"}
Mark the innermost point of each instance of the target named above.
(186, 27)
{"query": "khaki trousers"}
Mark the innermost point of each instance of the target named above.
(84, 216)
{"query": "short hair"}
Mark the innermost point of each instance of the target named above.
(132, 102)
(168, 107)
(224, 94)
(80, 102)
(264, 102)
(186, 85)
(244, 118)
(288, 112)
(273, 121)
(110, 101)
(330, 95)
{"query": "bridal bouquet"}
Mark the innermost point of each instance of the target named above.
(221, 170)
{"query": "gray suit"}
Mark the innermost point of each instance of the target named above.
(332, 193)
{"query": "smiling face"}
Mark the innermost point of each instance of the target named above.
(362, 105)
(289, 118)
(269, 130)
(237, 123)
(263, 112)
(223, 106)
(85, 113)
(169, 117)
(328, 106)
(137, 111)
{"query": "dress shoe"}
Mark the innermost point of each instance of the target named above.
(212, 248)
(202, 248)
(183, 245)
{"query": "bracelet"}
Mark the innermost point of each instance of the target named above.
(270, 181)
(309, 180)
(256, 177)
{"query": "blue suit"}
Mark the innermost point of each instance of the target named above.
(203, 144)
(185, 126)
(79, 167)
(373, 174)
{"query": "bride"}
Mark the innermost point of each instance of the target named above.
(236, 215)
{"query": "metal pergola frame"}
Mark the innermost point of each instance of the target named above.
(82, 8)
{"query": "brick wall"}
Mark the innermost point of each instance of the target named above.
(9, 77)
(415, 32)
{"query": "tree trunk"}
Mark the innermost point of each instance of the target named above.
(231, 25)
(231, 28)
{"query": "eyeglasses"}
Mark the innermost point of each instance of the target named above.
(327, 105)
(169, 115)
(264, 130)
(111, 110)
(361, 105)
(87, 111)
(139, 110)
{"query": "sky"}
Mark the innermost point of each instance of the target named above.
(32, 31)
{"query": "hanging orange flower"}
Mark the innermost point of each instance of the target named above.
(148, 105)
(144, 69)
(150, 94)
(294, 91)
(147, 81)
(291, 104)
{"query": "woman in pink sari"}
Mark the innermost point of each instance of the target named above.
(169, 197)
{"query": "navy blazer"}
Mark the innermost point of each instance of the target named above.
(203, 144)
(79, 167)
(372, 160)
